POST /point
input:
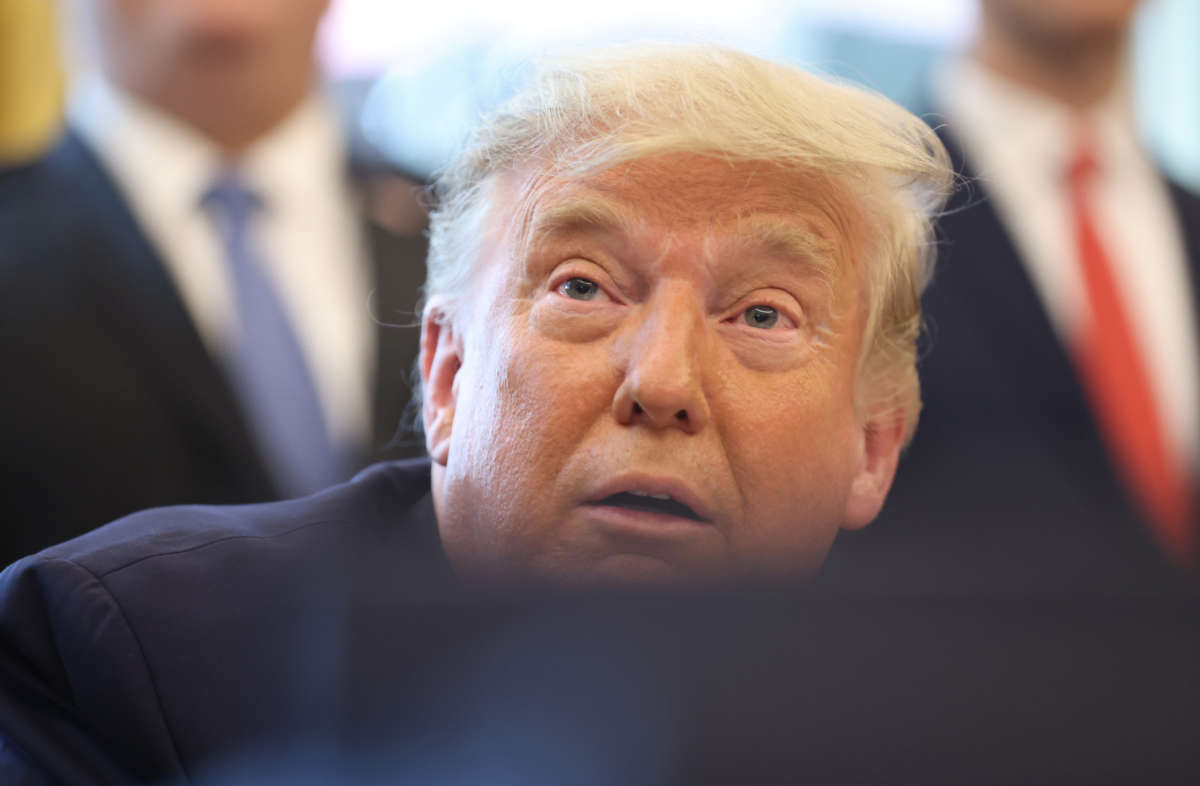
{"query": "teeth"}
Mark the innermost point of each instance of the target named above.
(652, 496)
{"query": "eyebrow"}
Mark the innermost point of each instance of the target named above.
(779, 236)
(575, 214)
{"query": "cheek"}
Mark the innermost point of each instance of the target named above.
(529, 411)
(526, 404)
(800, 427)
(791, 446)
(129, 21)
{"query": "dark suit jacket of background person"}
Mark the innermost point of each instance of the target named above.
(1007, 486)
(325, 640)
(111, 402)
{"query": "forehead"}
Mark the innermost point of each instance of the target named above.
(808, 213)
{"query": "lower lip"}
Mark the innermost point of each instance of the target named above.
(643, 522)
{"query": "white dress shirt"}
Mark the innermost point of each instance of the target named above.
(309, 234)
(1019, 143)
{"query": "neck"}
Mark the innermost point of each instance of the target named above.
(234, 136)
(1078, 72)
(234, 115)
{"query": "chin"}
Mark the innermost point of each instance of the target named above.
(627, 570)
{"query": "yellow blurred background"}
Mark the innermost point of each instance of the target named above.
(31, 77)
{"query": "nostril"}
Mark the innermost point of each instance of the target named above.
(680, 415)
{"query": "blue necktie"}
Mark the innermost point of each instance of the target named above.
(267, 366)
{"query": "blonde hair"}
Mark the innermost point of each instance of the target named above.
(585, 114)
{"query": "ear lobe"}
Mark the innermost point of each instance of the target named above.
(441, 358)
(882, 439)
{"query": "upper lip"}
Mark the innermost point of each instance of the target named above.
(676, 489)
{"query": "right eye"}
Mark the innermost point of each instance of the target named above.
(763, 317)
(578, 288)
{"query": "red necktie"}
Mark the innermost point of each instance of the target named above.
(1117, 383)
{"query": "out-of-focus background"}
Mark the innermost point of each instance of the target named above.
(31, 77)
(413, 76)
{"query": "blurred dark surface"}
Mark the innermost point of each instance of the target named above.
(754, 688)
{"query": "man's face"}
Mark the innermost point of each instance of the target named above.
(653, 376)
(203, 48)
(1063, 20)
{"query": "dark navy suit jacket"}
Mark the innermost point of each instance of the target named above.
(177, 639)
(1007, 486)
(111, 402)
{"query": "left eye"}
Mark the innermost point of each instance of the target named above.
(763, 317)
(580, 288)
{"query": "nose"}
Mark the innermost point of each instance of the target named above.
(662, 387)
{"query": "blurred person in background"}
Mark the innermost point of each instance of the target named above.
(1059, 442)
(190, 291)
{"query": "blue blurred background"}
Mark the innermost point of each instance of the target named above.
(416, 75)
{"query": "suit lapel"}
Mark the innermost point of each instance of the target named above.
(143, 307)
(982, 271)
(1187, 207)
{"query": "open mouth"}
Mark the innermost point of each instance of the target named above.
(650, 503)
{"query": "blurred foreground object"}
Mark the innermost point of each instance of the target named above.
(31, 80)
(740, 688)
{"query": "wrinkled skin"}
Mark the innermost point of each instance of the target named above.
(682, 326)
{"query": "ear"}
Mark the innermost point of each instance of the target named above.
(882, 439)
(441, 358)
